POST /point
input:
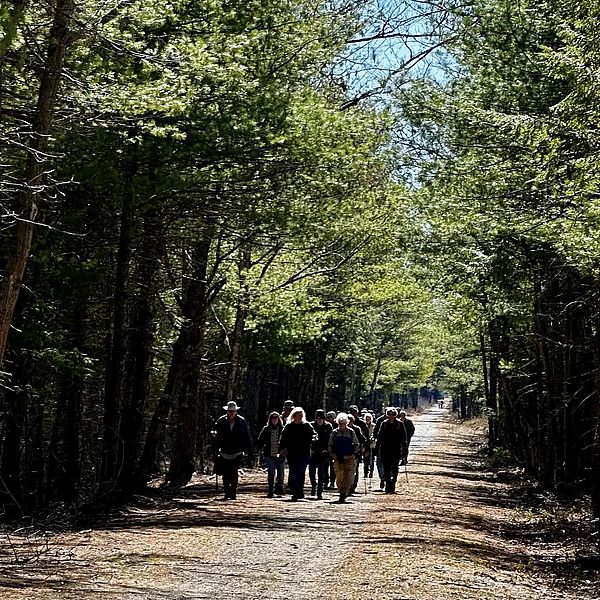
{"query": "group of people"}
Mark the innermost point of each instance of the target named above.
(332, 447)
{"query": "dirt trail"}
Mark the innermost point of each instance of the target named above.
(452, 531)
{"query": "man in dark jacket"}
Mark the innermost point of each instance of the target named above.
(392, 444)
(232, 440)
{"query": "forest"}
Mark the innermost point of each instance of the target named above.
(265, 200)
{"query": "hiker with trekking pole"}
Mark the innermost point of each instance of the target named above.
(409, 428)
(392, 445)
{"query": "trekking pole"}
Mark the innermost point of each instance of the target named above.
(406, 471)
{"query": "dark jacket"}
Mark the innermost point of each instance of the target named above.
(364, 429)
(231, 440)
(362, 440)
(409, 427)
(264, 438)
(320, 443)
(392, 438)
(296, 439)
(378, 423)
(343, 442)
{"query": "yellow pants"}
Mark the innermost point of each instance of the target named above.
(344, 473)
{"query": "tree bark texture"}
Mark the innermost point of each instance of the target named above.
(27, 203)
(141, 354)
(116, 369)
(187, 386)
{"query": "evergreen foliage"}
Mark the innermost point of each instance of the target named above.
(334, 203)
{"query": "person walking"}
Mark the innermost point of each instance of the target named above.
(295, 442)
(233, 442)
(268, 442)
(330, 418)
(409, 428)
(379, 462)
(319, 456)
(343, 446)
(370, 460)
(288, 407)
(392, 443)
(362, 445)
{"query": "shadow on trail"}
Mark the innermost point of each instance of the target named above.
(202, 506)
(456, 549)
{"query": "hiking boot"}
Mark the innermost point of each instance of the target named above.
(270, 495)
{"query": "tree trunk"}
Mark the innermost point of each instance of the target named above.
(64, 460)
(115, 374)
(183, 455)
(141, 352)
(27, 207)
(376, 373)
(183, 377)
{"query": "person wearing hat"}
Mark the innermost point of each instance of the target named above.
(392, 444)
(233, 442)
(288, 407)
(319, 454)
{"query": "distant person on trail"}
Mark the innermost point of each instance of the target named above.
(288, 406)
(319, 455)
(232, 441)
(330, 418)
(370, 460)
(409, 428)
(362, 442)
(392, 442)
(295, 444)
(378, 423)
(343, 446)
(365, 444)
(268, 441)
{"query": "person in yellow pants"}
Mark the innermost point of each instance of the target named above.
(343, 446)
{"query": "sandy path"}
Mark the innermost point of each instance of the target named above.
(446, 534)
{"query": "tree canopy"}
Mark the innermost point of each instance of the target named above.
(331, 202)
